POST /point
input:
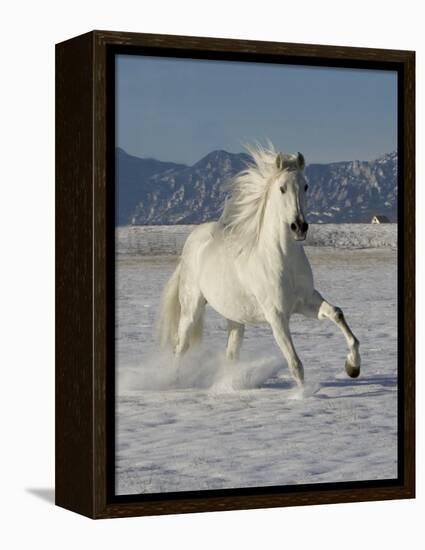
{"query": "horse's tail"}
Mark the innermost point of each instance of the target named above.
(169, 311)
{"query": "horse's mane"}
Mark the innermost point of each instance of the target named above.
(244, 209)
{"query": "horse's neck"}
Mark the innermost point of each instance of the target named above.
(276, 239)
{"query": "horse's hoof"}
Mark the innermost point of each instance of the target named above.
(351, 370)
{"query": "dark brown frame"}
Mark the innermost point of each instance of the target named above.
(82, 431)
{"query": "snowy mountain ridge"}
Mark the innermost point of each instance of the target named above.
(153, 192)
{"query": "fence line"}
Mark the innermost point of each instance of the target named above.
(159, 240)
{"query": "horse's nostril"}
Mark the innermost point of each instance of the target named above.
(305, 227)
(293, 227)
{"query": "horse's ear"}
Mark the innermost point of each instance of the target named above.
(300, 161)
(279, 161)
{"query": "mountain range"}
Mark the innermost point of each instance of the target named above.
(153, 192)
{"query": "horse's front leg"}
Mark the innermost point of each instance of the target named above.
(280, 326)
(319, 308)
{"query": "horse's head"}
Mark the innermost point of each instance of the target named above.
(289, 189)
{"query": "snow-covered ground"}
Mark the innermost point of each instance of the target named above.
(215, 425)
(155, 240)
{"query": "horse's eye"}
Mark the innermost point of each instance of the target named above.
(282, 189)
(305, 187)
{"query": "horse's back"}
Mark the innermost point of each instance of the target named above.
(198, 239)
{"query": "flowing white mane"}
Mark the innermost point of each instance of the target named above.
(244, 209)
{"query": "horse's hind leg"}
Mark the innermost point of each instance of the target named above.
(319, 308)
(192, 309)
(235, 332)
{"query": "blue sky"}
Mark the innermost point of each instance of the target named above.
(180, 109)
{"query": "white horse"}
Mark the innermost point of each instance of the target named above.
(250, 266)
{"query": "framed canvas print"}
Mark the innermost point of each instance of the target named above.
(235, 274)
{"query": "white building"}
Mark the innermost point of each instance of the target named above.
(380, 219)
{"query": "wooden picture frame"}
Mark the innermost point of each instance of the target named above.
(85, 263)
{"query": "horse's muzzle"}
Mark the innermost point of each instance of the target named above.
(299, 229)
